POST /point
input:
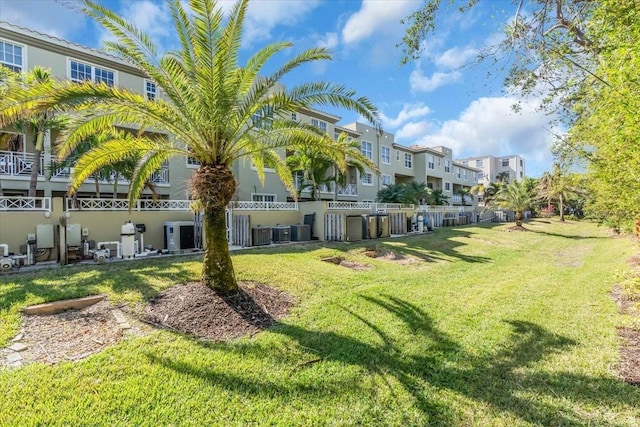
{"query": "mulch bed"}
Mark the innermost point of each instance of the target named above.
(195, 309)
(629, 366)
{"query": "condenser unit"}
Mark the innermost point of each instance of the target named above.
(260, 236)
(178, 235)
(369, 227)
(281, 234)
(300, 233)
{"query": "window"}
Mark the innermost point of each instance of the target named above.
(505, 163)
(366, 149)
(385, 155)
(79, 72)
(11, 56)
(521, 174)
(464, 174)
(151, 90)
(397, 155)
(447, 166)
(521, 163)
(192, 162)
(319, 124)
(367, 178)
(432, 163)
(408, 160)
(430, 185)
(386, 179)
(294, 117)
(263, 119)
(457, 172)
(447, 186)
(261, 197)
(479, 163)
(336, 136)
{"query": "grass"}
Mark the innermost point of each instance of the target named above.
(487, 328)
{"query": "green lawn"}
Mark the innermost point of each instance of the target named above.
(487, 328)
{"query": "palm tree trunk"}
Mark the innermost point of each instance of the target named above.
(561, 208)
(518, 217)
(217, 269)
(35, 170)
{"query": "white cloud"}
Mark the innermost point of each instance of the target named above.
(50, 17)
(420, 82)
(263, 16)
(489, 126)
(414, 130)
(408, 112)
(376, 16)
(329, 41)
(456, 57)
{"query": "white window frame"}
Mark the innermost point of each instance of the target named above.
(502, 163)
(260, 197)
(386, 179)
(464, 174)
(366, 148)
(294, 117)
(151, 95)
(431, 162)
(369, 178)
(458, 172)
(319, 124)
(479, 163)
(93, 69)
(192, 163)
(447, 187)
(447, 166)
(397, 155)
(408, 160)
(14, 65)
(385, 155)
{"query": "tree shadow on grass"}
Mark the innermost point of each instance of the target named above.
(507, 380)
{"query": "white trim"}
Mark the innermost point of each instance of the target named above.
(369, 181)
(445, 187)
(382, 148)
(156, 95)
(410, 158)
(383, 180)
(364, 151)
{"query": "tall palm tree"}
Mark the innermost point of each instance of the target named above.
(217, 111)
(314, 165)
(463, 192)
(418, 192)
(516, 196)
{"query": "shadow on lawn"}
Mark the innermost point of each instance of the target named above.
(501, 380)
(83, 280)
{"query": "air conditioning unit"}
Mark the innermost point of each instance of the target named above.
(369, 227)
(300, 233)
(178, 235)
(260, 236)
(281, 234)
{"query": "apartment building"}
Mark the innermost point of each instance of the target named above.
(495, 169)
(21, 49)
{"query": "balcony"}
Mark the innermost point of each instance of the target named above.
(348, 190)
(456, 199)
(14, 164)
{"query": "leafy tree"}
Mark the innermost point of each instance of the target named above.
(218, 111)
(516, 196)
(559, 186)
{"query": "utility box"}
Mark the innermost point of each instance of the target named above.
(44, 236)
(74, 235)
(178, 235)
(281, 234)
(300, 233)
(353, 228)
(260, 236)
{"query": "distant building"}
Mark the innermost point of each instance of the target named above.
(497, 169)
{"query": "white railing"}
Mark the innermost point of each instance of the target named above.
(348, 190)
(123, 205)
(263, 206)
(18, 164)
(392, 206)
(322, 188)
(456, 198)
(445, 208)
(349, 205)
(161, 176)
(25, 203)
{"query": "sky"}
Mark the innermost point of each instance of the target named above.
(444, 98)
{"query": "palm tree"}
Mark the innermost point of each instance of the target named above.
(39, 123)
(515, 196)
(393, 193)
(437, 198)
(503, 177)
(557, 185)
(216, 110)
(463, 192)
(418, 193)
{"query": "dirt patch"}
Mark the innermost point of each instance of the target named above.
(195, 309)
(66, 336)
(517, 228)
(389, 255)
(337, 260)
(191, 308)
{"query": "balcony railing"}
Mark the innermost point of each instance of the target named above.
(457, 199)
(263, 206)
(323, 188)
(16, 203)
(81, 204)
(348, 190)
(18, 164)
(161, 176)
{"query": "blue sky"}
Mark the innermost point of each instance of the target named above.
(441, 99)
